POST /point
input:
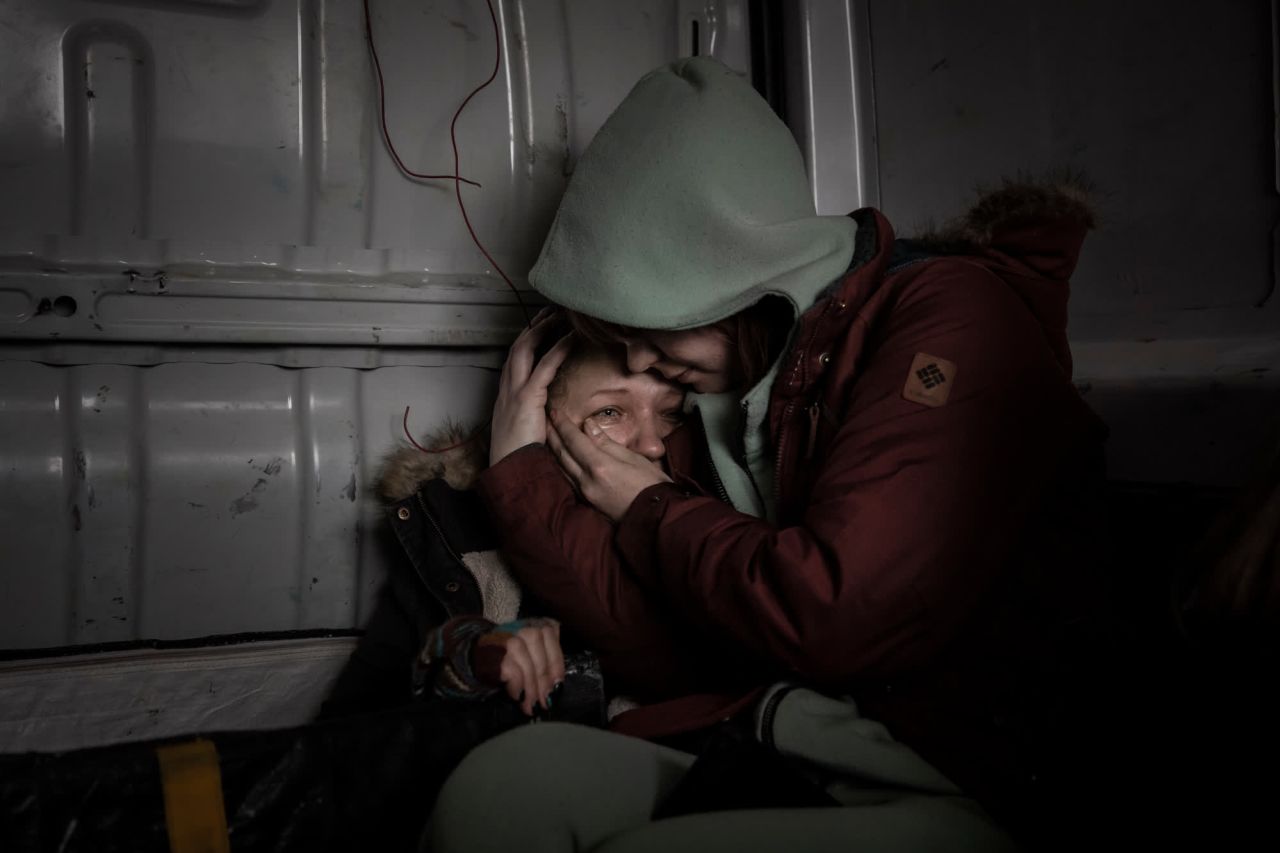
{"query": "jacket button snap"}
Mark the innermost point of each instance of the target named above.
(451, 586)
(403, 514)
(840, 305)
(824, 359)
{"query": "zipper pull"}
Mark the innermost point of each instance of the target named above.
(813, 430)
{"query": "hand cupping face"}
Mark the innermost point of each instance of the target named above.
(518, 411)
(608, 475)
(636, 410)
(605, 424)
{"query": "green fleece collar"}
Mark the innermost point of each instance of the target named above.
(738, 431)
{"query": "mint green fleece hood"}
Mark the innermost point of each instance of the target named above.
(690, 205)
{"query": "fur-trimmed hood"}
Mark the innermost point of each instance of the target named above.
(405, 468)
(1029, 232)
(1017, 202)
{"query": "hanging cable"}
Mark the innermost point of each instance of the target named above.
(457, 179)
(382, 112)
(462, 443)
(497, 63)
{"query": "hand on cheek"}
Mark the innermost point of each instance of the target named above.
(518, 410)
(607, 474)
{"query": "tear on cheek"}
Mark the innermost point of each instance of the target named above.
(615, 434)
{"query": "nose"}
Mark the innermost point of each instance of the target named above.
(648, 441)
(640, 356)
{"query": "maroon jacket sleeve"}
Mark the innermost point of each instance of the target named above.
(911, 512)
(562, 551)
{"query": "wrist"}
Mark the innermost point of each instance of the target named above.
(444, 665)
(501, 450)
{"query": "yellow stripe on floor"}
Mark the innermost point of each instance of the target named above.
(193, 808)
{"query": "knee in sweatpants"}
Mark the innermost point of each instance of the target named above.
(508, 781)
(552, 786)
(512, 758)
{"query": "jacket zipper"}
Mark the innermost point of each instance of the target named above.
(802, 367)
(721, 491)
(813, 430)
(447, 547)
(782, 446)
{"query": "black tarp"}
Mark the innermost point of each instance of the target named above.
(356, 783)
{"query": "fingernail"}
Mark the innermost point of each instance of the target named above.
(520, 698)
(546, 703)
(555, 688)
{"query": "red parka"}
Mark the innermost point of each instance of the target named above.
(933, 463)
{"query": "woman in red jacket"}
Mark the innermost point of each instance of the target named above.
(874, 497)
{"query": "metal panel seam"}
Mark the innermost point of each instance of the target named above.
(73, 474)
(305, 452)
(140, 465)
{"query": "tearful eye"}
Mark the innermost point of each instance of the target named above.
(607, 412)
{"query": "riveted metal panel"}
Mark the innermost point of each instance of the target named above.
(37, 550)
(218, 293)
(189, 499)
(228, 159)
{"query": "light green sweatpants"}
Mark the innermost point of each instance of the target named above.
(557, 787)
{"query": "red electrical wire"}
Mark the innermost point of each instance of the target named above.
(465, 441)
(457, 179)
(382, 110)
(497, 63)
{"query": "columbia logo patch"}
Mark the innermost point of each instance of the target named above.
(929, 380)
(931, 376)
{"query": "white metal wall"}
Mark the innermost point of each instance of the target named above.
(185, 132)
(217, 294)
(188, 499)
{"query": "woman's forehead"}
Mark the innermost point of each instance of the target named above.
(603, 376)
